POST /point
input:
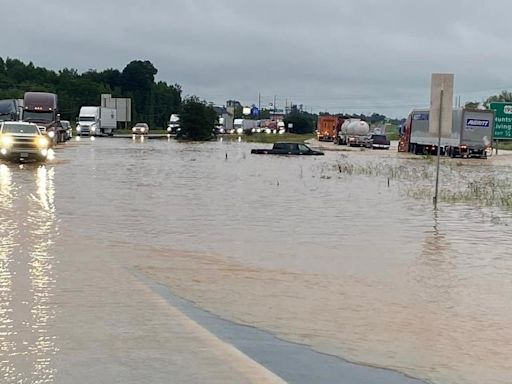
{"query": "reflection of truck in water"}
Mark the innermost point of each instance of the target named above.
(96, 121)
(353, 132)
(328, 127)
(41, 108)
(470, 134)
(10, 109)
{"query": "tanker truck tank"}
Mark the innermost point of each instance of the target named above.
(354, 132)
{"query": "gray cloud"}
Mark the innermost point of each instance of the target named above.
(350, 55)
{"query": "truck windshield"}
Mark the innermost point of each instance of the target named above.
(86, 118)
(20, 128)
(46, 117)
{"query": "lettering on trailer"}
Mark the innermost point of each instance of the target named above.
(477, 123)
(420, 116)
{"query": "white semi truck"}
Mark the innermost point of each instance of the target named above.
(244, 126)
(471, 134)
(96, 121)
(174, 124)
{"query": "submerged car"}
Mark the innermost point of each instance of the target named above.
(293, 149)
(140, 129)
(68, 132)
(378, 141)
(22, 141)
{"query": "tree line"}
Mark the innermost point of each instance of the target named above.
(153, 102)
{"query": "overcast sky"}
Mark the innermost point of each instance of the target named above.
(336, 55)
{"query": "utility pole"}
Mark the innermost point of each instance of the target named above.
(259, 101)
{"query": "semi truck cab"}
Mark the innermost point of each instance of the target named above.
(41, 108)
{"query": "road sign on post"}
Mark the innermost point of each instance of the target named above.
(441, 82)
(503, 121)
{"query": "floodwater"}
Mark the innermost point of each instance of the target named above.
(343, 253)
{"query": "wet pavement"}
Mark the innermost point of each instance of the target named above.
(294, 363)
(329, 260)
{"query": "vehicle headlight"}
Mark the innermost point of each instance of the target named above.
(6, 141)
(143, 130)
(134, 129)
(239, 131)
(78, 128)
(93, 128)
(51, 134)
(42, 142)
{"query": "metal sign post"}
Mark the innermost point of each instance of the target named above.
(438, 150)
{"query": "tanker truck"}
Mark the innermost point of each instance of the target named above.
(353, 132)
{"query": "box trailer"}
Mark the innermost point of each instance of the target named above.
(470, 134)
(96, 121)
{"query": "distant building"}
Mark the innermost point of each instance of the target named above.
(234, 104)
(277, 114)
(228, 114)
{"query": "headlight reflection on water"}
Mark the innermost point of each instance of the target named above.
(27, 280)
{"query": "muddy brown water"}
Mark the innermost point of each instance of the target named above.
(341, 261)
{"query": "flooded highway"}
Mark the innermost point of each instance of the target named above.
(342, 253)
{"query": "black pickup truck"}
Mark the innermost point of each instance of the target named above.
(293, 149)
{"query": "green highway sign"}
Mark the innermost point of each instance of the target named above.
(503, 120)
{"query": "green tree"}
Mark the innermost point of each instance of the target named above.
(167, 101)
(197, 120)
(471, 105)
(137, 80)
(153, 102)
(303, 122)
(504, 96)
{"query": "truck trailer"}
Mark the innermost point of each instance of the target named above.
(327, 127)
(244, 126)
(96, 121)
(470, 135)
(11, 109)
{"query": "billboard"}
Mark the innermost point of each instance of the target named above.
(122, 105)
(502, 121)
(441, 82)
